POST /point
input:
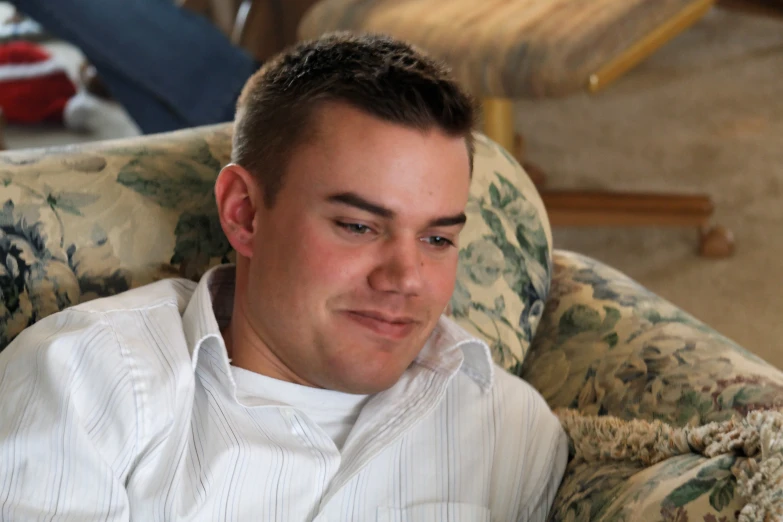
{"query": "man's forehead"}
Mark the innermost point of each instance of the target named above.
(380, 161)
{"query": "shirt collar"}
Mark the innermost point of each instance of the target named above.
(211, 305)
(448, 342)
(208, 311)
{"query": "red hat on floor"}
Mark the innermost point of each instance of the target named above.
(34, 87)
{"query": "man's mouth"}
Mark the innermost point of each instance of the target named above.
(386, 325)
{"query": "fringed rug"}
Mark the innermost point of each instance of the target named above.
(757, 437)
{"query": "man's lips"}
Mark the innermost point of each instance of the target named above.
(391, 326)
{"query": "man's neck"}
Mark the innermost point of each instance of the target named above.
(248, 351)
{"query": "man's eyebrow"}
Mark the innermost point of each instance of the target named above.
(449, 221)
(354, 200)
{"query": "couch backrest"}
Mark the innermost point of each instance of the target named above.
(89, 221)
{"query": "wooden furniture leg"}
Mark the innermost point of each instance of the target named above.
(575, 208)
(499, 126)
(756, 7)
(266, 27)
(581, 208)
(646, 46)
(258, 28)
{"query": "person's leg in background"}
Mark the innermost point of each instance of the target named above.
(170, 68)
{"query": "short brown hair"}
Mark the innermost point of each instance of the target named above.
(384, 77)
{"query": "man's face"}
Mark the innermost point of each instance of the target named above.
(356, 261)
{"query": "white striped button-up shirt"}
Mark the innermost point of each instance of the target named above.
(125, 408)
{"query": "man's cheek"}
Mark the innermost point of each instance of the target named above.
(332, 258)
(440, 281)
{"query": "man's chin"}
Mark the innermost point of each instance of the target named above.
(367, 384)
(368, 365)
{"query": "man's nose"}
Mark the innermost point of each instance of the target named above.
(400, 268)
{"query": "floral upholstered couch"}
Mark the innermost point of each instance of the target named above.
(82, 222)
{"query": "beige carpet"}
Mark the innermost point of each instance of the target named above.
(705, 113)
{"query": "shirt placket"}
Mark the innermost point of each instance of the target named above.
(381, 424)
(326, 457)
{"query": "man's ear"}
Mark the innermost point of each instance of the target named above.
(237, 193)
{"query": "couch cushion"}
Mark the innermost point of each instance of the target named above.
(83, 222)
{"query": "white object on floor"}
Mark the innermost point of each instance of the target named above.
(86, 113)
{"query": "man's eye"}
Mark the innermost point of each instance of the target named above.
(354, 228)
(439, 241)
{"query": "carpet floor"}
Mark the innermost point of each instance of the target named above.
(702, 115)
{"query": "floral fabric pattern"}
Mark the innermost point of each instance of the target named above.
(607, 346)
(64, 276)
(505, 257)
(77, 224)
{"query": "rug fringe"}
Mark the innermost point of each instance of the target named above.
(757, 436)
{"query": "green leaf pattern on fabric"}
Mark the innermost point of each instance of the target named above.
(504, 270)
(606, 345)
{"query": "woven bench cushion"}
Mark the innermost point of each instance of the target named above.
(505, 48)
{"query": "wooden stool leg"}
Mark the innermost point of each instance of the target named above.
(499, 127)
(624, 209)
(258, 28)
(240, 23)
(716, 241)
(499, 121)
(756, 7)
(581, 208)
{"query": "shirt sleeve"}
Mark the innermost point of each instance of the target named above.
(553, 469)
(68, 422)
(531, 453)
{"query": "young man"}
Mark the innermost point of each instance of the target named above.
(317, 379)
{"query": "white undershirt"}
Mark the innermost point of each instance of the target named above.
(333, 411)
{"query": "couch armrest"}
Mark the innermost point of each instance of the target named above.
(91, 220)
(109, 155)
(606, 345)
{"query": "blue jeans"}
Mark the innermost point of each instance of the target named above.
(170, 68)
